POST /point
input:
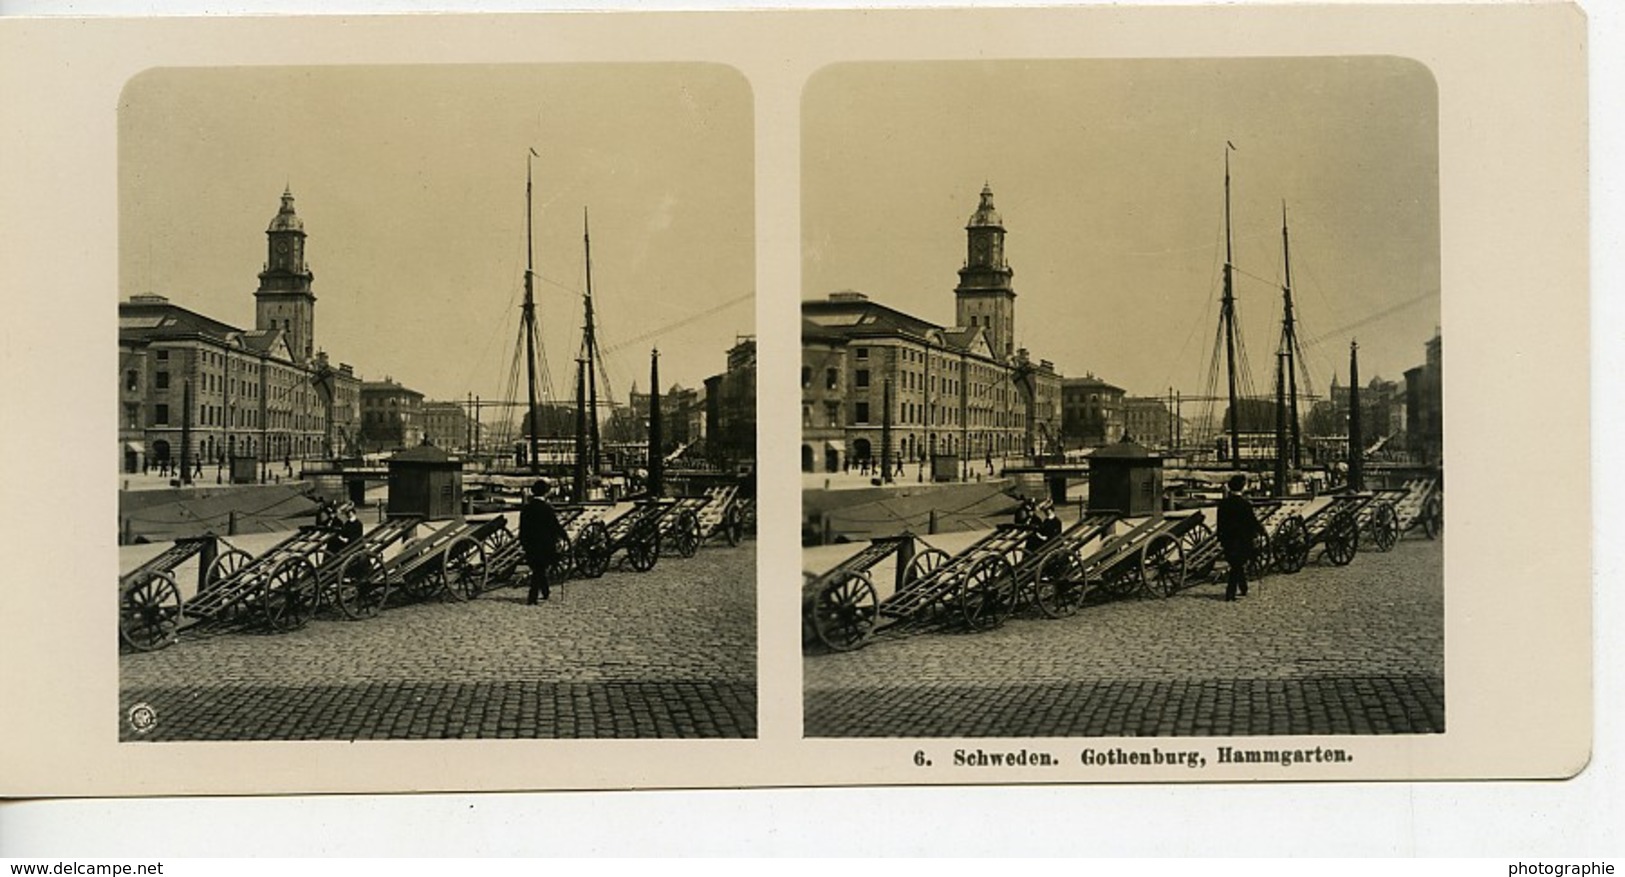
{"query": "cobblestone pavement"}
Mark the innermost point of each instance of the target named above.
(668, 653)
(1331, 650)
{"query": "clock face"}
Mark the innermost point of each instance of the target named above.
(282, 245)
(980, 246)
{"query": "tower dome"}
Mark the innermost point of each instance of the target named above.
(286, 219)
(985, 215)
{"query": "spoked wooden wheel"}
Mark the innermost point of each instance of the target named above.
(1383, 526)
(1263, 558)
(1290, 544)
(644, 549)
(733, 525)
(685, 533)
(924, 565)
(987, 593)
(462, 569)
(225, 565)
(149, 613)
(563, 561)
(1162, 566)
(1198, 547)
(591, 550)
(288, 595)
(1059, 584)
(498, 545)
(1433, 517)
(363, 586)
(844, 611)
(1342, 537)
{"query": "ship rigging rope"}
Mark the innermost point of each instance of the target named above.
(666, 329)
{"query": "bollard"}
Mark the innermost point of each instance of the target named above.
(931, 526)
(231, 523)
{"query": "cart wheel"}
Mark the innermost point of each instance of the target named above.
(562, 564)
(733, 525)
(686, 533)
(1263, 559)
(363, 586)
(1199, 547)
(462, 569)
(1162, 566)
(225, 565)
(1060, 584)
(1342, 537)
(1383, 526)
(1290, 544)
(591, 550)
(149, 613)
(288, 596)
(1433, 517)
(923, 566)
(644, 551)
(987, 593)
(423, 583)
(844, 610)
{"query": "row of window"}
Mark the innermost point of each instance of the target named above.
(909, 414)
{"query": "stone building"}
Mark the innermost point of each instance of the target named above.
(448, 426)
(1149, 421)
(391, 416)
(965, 391)
(1092, 412)
(187, 379)
(730, 408)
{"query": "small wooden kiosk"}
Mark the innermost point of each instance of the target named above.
(427, 482)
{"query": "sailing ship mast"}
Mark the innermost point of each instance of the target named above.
(530, 322)
(1289, 345)
(1227, 316)
(589, 343)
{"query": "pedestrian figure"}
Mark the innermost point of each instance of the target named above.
(1238, 527)
(990, 462)
(899, 472)
(539, 532)
(346, 528)
(197, 468)
(1042, 526)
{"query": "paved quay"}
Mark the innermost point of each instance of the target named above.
(668, 653)
(1331, 650)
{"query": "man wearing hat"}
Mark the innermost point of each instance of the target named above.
(1043, 526)
(539, 532)
(1237, 528)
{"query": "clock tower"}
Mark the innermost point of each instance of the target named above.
(284, 300)
(985, 298)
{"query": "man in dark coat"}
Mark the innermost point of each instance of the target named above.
(539, 532)
(1237, 528)
(1043, 526)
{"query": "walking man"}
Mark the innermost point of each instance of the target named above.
(1238, 526)
(539, 532)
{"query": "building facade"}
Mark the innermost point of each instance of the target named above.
(874, 378)
(1149, 421)
(391, 416)
(447, 426)
(192, 382)
(1093, 412)
(730, 408)
(195, 387)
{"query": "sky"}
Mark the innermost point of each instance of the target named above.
(411, 185)
(1109, 176)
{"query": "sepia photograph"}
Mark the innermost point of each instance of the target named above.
(1104, 411)
(438, 403)
(1121, 400)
